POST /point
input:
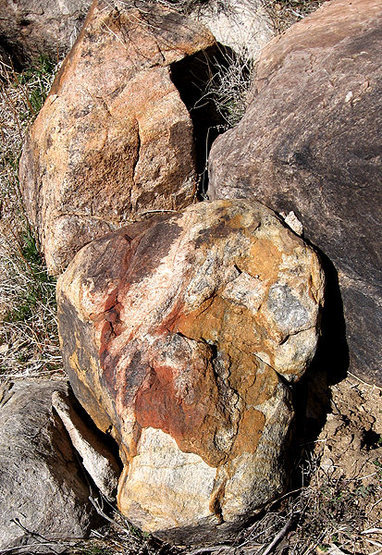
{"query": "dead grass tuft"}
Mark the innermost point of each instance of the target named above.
(228, 86)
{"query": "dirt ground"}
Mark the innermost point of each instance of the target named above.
(348, 481)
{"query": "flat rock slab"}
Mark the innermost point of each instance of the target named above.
(310, 143)
(113, 138)
(181, 335)
(42, 486)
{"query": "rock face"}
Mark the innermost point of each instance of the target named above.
(41, 483)
(242, 25)
(181, 335)
(310, 143)
(114, 137)
(96, 458)
(31, 28)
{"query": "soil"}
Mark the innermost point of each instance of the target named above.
(349, 476)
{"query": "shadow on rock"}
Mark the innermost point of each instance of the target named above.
(329, 366)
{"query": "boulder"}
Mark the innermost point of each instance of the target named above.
(310, 143)
(33, 28)
(43, 493)
(113, 138)
(242, 25)
(183, 335)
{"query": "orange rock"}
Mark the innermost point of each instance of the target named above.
(114, 137)
(167, 329)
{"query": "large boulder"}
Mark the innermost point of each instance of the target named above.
(114, 137)
(43, 492)
(310, 143)
(33, 28)
(183, 336)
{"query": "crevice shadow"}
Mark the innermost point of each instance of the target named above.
(191, 76)
(329, 366)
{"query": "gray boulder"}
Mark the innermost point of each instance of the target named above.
(242, 25)
(30, 28)
(43, 493)
(310, 143)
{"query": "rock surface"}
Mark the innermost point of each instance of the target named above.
(114, 137)
(310, 143)
(95, 457)
(31, 28)
(242, 25)
(181, 335)
(41, 483)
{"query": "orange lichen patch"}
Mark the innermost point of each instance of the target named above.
(263, 387)
(224, 323)
(250, 430)
(252, 379)
(235, 331)
(264, 260)
(240, 221)
(203, 323)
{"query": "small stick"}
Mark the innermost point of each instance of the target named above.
(35, 535)
(372, 531)
(156, 212)
(284, 530)
(215, 549)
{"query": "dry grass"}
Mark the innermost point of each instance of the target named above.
(284, 13)
(326, 514)
(228, 87)
(28, 332)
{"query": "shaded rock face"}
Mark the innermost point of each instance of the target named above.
(242, 25)
(41, 483)
(310, 143)
(183, 336)
(114, 137)
(31, 28)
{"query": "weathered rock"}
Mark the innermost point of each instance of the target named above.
(96, 458)
(31, 28)
(41, 483)
(114, 137)
(181, 335)
(242, 25)
(310, 143)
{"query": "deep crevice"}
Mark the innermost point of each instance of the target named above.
(371, 440)
(191, 76)
(104, 438)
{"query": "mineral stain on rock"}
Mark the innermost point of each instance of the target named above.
(288, 312)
